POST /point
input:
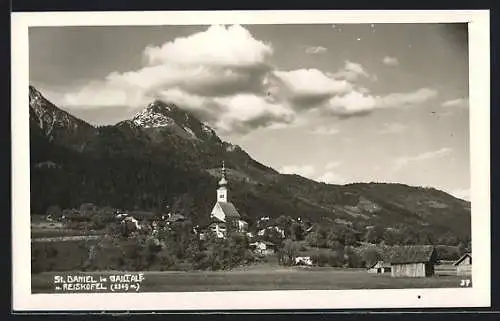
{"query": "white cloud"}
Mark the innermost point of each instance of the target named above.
(105, 93)
(410, 98)
(392, 128)
(304, 83)
(351, 71)
(224, 77)
(219, 74)
(325, 130)
(308, 171)
(219, 45)
(390, 61)
(302, 170)
(330, 177)
(247, 110)
(315, 50)
(401, 162)
(459, 102)
(352, 103)
(463, 194)
(356, 102)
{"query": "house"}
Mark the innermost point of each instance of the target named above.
(173, 218)
(131, 223)
(280, 231)
(303, 260)
(464, 265)
(263, 248)
(224, 214)
(380, 267)
(413, 261)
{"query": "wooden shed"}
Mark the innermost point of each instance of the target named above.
(380, 267)
(464, 264)
(413, 261)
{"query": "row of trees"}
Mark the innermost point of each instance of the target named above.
(179, 247)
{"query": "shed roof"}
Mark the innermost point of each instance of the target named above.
(380, 263)
(466, 255)
(410, 254)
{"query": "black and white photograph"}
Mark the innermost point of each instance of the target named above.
(231, 156)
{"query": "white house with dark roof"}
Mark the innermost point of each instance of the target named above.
(224, 212)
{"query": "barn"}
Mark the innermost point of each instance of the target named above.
(413, 261)
(380, 267)
(464, 264)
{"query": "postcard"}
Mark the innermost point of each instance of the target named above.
(248, 160)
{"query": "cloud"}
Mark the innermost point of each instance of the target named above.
(351, 71)
(308, 171)
(390, 61)
(217, 46)
(401, 162)
(459, 102)
(353, 102)
(220, 61)
(356, 102)
(330, 177)
(302, 170)
(218, 74)
(463, 194)
(325, 130)
(245, 111)
(392, 128)
(315, 50)
(305, 87)
(410, 98)
(223, 75)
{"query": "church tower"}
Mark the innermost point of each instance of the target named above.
(222, 190)
(224, 211)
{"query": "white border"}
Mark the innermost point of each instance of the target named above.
(479, 71)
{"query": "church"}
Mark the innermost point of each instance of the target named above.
(224, 214)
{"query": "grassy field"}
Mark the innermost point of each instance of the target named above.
(263, 279)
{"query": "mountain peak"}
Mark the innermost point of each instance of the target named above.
(57, 123)
(156, 114)
(161, 114)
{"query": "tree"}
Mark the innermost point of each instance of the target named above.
(353, 260)
(313, 239)
(296, 231)
(284, 223)
(371, 256)
(273, 236)
(54, 211)
(288, 252)
(184, 204)
(448, 238)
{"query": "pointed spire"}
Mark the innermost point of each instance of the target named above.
(223, 180)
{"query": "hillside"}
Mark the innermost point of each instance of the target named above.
(164, 155)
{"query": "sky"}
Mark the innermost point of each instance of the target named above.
(334, 103)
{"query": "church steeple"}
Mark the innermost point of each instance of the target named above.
(223, 181)
(222, 190)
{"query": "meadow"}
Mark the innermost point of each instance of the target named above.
(262, 278)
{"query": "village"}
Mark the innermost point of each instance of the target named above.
(272, 240)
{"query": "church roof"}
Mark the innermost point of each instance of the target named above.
(229, 209)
